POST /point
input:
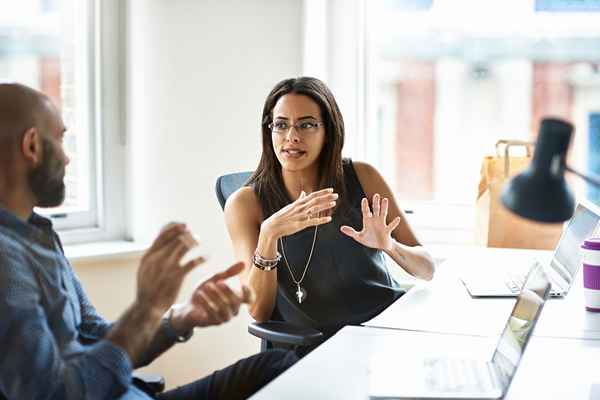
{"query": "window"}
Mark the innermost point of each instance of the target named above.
(429, 87)
(55, 46)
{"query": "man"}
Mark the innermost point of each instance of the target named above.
(53, 344)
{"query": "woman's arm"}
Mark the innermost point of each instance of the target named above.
(404, 247)
(243, 216)
(250, 234)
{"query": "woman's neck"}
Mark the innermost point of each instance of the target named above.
(297, 181)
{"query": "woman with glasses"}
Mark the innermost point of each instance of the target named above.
(313, 226)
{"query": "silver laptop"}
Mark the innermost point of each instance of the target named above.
(563, 267)
(446, 378)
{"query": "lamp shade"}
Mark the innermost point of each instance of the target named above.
(540, 192)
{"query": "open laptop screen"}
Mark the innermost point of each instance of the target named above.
(520, 324)
(567, 256)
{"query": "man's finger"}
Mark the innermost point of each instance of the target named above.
(190, 265)
(220, 307)
(248, 296)
(229, 297)
(167, 234)
(234, 270)
(201, 302)
(180, 249)
(166, 251)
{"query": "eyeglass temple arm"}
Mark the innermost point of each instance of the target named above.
(589, 179)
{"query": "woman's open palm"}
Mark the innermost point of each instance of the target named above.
(375, 233)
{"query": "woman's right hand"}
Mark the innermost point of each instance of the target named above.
(300, 214)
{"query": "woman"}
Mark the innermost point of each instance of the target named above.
(312, 243)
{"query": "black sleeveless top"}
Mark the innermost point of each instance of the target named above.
(346, 282)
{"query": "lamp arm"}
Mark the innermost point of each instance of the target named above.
(589, 179)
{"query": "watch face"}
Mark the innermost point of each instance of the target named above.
(171, 333)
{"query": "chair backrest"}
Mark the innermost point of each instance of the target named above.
(226, 185)
(229, 183)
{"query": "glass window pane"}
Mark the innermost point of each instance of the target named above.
(44, 44)
(450, 79)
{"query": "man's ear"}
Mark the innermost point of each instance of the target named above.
(31, 146)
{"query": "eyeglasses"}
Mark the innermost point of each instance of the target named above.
(302, 127)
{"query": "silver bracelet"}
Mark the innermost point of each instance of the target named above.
(170, 332)
(265, 264)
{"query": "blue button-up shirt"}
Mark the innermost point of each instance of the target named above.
(51, 337)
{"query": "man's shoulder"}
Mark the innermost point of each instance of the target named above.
(13, 253)
(10, 242)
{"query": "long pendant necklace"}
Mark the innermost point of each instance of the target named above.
(300, 291)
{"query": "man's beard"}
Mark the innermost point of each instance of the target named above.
(47, 179)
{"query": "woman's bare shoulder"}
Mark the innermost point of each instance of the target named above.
(243, 201)
(365, 170)
(368, 176)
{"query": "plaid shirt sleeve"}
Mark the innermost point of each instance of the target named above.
(31, 363)
(93, 326)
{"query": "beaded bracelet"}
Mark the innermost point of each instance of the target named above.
(265, 264)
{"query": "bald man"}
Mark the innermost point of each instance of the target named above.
(53, 344)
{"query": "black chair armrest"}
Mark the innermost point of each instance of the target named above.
(286, 333)
(149, 383)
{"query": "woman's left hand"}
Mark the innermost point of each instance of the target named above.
(376, 233)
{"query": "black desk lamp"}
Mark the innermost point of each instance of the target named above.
(540, 192)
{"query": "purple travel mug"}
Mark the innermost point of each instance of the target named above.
(591, 273)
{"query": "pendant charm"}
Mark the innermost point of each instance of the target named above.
(300, 294)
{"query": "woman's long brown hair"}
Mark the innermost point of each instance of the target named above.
(267, 179)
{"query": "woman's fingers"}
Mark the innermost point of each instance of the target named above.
(318, 204)
(315, 210)
(349, 231)
(394, 224)
(366, 211)
(302, 200)
(314, 221)
(384, 209)
(376, 205)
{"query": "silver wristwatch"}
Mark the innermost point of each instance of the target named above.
(170, 332)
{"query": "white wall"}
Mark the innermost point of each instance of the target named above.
(198, 74)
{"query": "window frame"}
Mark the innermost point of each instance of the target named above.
(343, 62)
(107, 98)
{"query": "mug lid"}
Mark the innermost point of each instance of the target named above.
(592, 243)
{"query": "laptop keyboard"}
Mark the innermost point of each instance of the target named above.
(514, 282)
(449, 375)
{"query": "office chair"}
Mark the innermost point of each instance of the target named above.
(150, 383)
(275, 332)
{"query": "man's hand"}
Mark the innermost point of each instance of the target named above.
(212, 302)
(160, 274)
(159, 280)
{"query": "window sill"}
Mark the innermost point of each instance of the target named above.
(104, 251)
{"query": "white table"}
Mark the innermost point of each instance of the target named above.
(444, 305)
(339, 368)
(439, 318)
